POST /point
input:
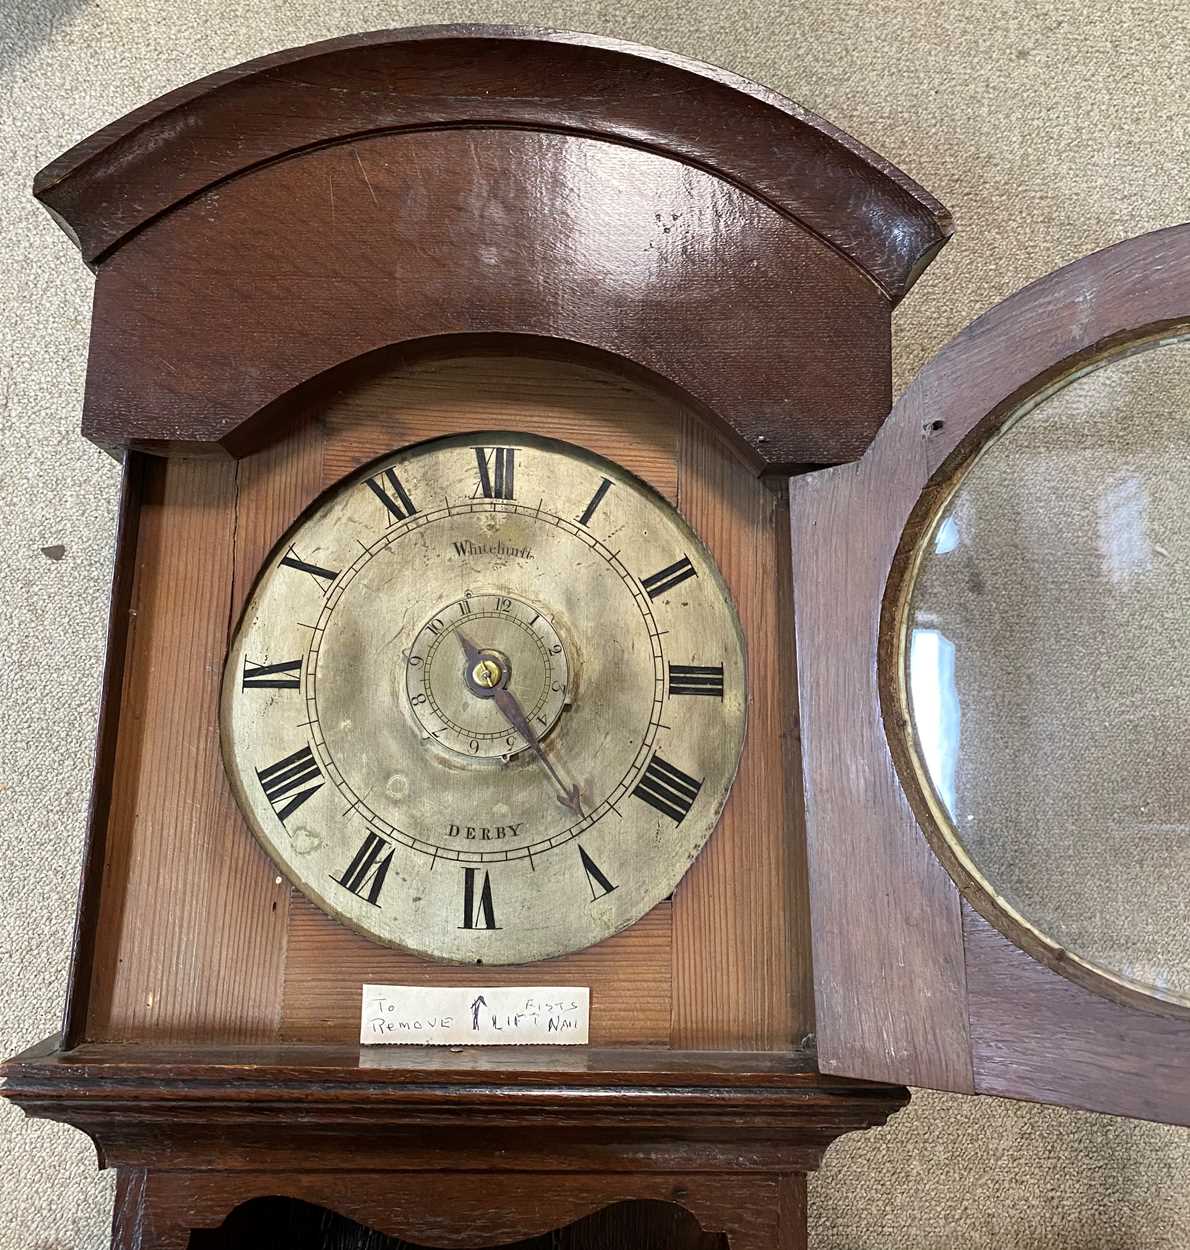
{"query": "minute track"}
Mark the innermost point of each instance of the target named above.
(597, 811)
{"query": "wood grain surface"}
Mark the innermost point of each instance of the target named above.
(113, 183)
(909, 985)
(1035, 1034)
(888, 967)
(742, 974)
(188, 940)
(629, 975)
(211, 313)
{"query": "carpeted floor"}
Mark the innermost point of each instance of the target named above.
(1048, 130)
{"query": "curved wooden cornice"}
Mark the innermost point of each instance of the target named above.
(129, 173)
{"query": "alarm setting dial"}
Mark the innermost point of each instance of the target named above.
(519, 649)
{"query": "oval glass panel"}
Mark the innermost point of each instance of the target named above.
(1046, 671)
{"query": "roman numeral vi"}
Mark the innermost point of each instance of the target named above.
(667, 789)
(479, 914)
(287, 783)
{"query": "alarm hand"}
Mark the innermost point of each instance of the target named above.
(488, 677)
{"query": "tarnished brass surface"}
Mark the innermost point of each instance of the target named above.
(474, 705)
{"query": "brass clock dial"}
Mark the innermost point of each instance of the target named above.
(486, 700)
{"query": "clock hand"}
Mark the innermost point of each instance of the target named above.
(507, 702)
(512, 712)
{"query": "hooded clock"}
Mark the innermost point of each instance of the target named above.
(521, 580)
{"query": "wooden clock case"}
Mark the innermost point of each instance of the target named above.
(310, 260)
(304, 263)
(316, 258)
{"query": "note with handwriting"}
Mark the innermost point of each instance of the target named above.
(423, 1015)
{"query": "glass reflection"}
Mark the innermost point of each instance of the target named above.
(935, 708)
(1049, 618)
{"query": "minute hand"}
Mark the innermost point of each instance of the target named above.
(507, 702)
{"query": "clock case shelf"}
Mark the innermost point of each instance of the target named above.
(535, 1137)
(284, 239)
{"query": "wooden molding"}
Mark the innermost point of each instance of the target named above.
(112, 184)
(306, 1107)
(396, 1137)
(278, 229)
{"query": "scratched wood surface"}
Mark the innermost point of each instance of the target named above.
(212, 130)
(209, 314)
(725, 965)
(917, 977)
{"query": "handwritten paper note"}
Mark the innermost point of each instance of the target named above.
(422, 1015)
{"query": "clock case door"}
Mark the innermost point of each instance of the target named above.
(917, 978)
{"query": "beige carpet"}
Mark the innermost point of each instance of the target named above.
(1048, 130)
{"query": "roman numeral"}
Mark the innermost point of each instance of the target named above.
(595, 877)
(596, 500)
(667, 789)
(292, 560)
(283, 782)
(398, 503)
(283, 676)
(666, 579)
(696, 679)
(496, 465)
(481, 915)
(368, 869)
